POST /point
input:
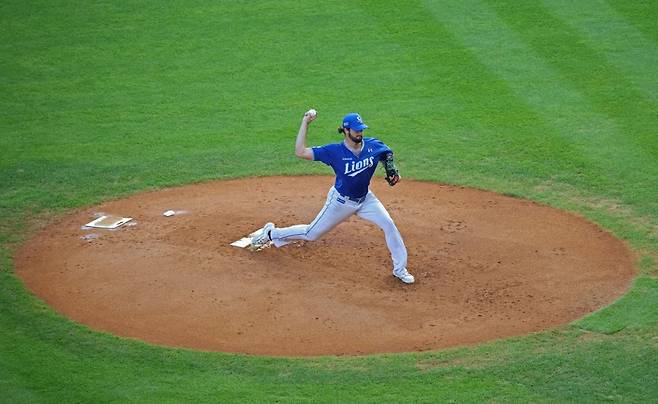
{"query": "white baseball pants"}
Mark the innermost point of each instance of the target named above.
(336, 210)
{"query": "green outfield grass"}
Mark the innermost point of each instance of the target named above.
(555, 101)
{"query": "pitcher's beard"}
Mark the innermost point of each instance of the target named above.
(356, 139)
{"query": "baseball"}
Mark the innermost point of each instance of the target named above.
(312, 112)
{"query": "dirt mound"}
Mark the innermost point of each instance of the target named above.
(486, 266)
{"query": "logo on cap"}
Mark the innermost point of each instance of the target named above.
(354, 121)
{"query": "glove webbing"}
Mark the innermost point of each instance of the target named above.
(389, 166)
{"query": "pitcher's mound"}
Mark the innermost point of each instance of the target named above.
(486, 266)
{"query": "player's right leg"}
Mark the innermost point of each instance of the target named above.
(333, 213)
(373, 211)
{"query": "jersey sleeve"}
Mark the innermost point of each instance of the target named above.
(322, 153)
(382, 148)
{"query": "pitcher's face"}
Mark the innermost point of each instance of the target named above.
(355, 135)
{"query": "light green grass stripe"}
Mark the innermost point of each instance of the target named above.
(555, 100)
(606, 88)
(643, 14)
(606, 31)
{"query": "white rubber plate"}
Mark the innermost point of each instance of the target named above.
(109, 222)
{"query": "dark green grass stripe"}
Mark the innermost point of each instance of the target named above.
(605, 86)
(609, 34)
(641, 13)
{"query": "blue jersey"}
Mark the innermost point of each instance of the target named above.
(353, 173)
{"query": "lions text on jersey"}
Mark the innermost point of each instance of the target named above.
(353, 173)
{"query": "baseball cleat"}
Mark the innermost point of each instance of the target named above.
(404, 276)
(263, 236)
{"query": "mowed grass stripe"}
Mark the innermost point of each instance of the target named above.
(605, 87)
(560, 111)
(223, 68)
(629, 132)
(217, 94)
(473, 123)
(606, 32)
(500, 60)
(642, 14)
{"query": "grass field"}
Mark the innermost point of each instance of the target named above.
(554, 101)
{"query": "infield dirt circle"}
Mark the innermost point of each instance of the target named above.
(487, 266)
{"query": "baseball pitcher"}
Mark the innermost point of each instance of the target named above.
(354, 161)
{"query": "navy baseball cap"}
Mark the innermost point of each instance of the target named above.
(353, 121)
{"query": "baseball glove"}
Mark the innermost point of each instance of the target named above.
(392, 173)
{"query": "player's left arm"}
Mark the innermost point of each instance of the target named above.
(392, 173)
